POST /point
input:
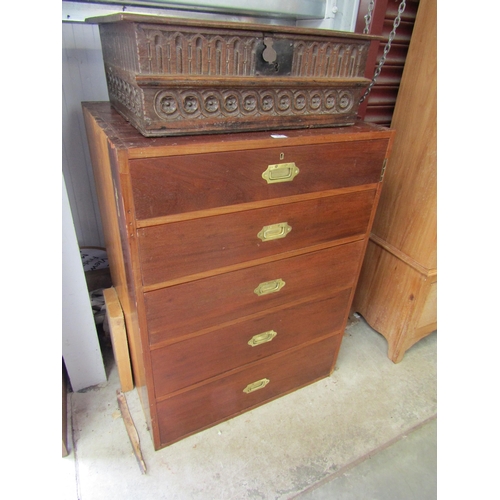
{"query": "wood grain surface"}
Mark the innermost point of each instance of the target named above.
(202, 406)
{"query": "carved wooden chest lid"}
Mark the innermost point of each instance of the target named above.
(171, 76)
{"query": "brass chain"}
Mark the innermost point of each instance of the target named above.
(387, 47)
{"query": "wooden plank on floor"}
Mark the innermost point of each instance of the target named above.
(131, 430)
(119, 341)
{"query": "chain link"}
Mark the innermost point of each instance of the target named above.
(368, 17)
(387, 47)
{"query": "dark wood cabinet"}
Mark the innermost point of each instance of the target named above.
(235, 258)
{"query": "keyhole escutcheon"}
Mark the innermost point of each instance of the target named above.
(269, 55)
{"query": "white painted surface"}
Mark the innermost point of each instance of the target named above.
(80, 344)
(83, 79)
(339, 15)
(257, 11)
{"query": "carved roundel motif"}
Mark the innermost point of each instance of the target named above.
(300, 101)
(212, 104)
(231, 103)
(165, 105)
(345, 101)
(191, 104)
(168, 105)
(249, 102)
(315, 102)
(330, 101)
(285, 100)
(174, 105)
(267, 102)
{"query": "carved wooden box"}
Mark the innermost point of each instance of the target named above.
(171, 76)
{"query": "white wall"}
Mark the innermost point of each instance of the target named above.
(339, 15)
(83, 79)
(80, 344)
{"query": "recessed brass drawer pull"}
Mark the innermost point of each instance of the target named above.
(262, 338)
(280, 172)
(274, 231)
(255, 386)
(269, 287)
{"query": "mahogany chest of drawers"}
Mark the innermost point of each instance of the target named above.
(235, 258)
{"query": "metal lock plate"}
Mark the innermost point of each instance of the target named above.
(274, 57)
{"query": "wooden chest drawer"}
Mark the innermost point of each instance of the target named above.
(178, 249)
(179, 184)
(184, 309)
(199, 358)
(207, 404)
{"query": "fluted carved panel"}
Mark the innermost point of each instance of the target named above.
(176, 53)
(179, 53)
(329, 60)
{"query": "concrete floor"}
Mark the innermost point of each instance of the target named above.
(366, 432)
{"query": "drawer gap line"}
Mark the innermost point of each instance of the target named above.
(234, 371)
(250, 317)
(211, 212)
(252, 263)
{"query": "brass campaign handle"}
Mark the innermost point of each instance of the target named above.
(274, 231)
(262, 338)
(269, 287)
(280, 172)
(255, 386)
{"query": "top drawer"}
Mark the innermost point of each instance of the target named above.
(179, 184)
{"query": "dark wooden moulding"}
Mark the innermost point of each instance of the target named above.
(171, 76)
